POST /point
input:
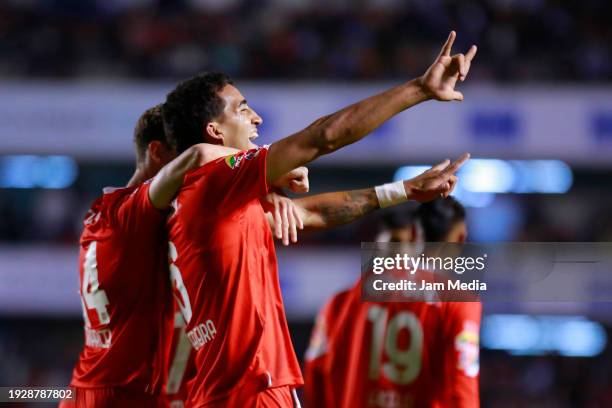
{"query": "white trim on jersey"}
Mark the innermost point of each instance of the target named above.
(296, 401)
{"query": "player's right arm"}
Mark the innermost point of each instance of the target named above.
(328, 210)
(168, 181)
(354, 122)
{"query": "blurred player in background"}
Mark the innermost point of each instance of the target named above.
(223, 262)
(398, 354)
(125, 290)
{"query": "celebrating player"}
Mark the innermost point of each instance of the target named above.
(398, 354)
(223, 263)
(124, 289)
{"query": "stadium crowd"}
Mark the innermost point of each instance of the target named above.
(519, 40)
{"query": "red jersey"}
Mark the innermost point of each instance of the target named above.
(179, 363)
(391, 355)
(225, 279)
(125, 293)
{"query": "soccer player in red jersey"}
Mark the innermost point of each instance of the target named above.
(124, 280)
(124, 277)
(223, 263)
(400, 354)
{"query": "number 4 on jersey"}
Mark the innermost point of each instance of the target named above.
(93, 296)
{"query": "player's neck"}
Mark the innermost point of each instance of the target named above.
(139, 177)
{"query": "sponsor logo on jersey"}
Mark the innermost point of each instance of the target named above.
(467, 344)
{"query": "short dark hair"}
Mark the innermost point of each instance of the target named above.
(191, 106)
(150, 127)
(437, 217)
(399, 216)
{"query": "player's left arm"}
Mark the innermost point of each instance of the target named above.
(333, 209)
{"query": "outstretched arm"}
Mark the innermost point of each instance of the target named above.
(332, 209)
(352, 123)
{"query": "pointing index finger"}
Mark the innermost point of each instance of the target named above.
(446, 48)
(455, 166)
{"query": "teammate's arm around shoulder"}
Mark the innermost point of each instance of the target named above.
(168, 181)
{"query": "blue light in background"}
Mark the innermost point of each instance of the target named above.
(481, 179)
(552, 177)
(570, 336)
(508, 220)
(487, 176)
(472, 199)
(495, 124)
(28, 171)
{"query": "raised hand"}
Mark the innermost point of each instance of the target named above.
(438, 181)
(440, 79)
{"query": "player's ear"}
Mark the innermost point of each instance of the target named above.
(214, 133)
(159, 152)
(154, 150)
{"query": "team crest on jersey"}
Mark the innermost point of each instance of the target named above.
(235, 160)
(467, 343)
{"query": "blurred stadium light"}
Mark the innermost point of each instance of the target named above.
(28, 171)
(570, 336)
(481, 179)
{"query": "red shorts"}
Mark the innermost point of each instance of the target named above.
(278, 397)
(114, 397)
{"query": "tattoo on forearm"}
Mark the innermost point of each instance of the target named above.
(353, 205)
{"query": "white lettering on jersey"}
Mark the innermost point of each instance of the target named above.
(202, 334)
(93, 296)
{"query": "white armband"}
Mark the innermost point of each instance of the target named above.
(391, 194)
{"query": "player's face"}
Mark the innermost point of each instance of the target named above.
(238, 124)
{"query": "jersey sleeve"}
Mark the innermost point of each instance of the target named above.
(136, 213)
(462, 354)
(233, 181)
